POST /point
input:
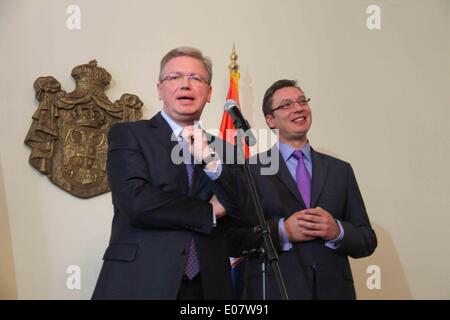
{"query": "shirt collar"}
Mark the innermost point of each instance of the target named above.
(286, 151)
(176, 128)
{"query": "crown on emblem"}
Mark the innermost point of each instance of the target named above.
(91, 73)
(88, 116)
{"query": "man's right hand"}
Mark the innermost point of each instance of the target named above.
(294, 230)
(218, 208)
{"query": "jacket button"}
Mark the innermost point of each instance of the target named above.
(183, 252)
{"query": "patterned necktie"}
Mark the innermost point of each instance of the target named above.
(303, 178)
(192, 267)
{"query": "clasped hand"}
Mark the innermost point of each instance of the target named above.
(312, 223)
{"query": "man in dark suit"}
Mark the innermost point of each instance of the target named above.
(312, 204)
(167, 233)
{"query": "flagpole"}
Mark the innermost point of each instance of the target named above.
(233, 66)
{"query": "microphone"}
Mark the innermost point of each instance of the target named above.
(231, 107)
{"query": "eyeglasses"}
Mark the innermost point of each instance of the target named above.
(289, 104)
(177, 77)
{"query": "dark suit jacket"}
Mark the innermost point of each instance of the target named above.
(309, 266)
(155, 219)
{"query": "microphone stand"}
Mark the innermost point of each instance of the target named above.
(268, 251)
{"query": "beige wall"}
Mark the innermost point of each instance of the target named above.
(8, 288)
(380, 100)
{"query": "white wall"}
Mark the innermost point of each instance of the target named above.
(380, 100)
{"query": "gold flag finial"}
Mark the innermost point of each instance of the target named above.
(233, 66)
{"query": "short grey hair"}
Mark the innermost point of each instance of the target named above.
(187, 52)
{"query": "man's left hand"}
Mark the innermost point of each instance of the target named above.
(218, 208)
(319, 223)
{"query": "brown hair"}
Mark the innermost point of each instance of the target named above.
(267, 101)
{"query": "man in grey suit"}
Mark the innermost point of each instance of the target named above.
(312, 204)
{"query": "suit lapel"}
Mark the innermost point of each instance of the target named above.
(285, 176)
(163, 133)
(320, 167)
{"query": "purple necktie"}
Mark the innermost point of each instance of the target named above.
(192, 267)
(303, 178)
